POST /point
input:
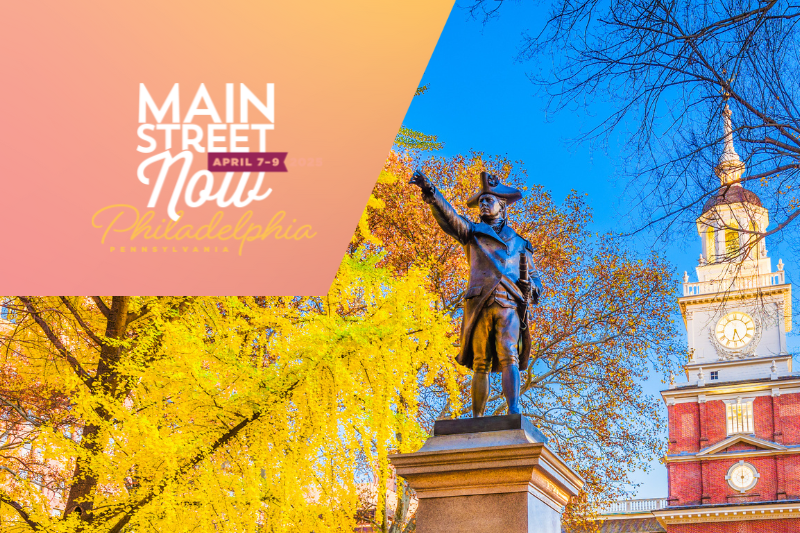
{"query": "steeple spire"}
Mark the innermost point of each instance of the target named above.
(730, 167)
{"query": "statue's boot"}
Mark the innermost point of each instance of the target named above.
(511, 388)
(480, 393)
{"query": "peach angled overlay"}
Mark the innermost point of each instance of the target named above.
(110, 109)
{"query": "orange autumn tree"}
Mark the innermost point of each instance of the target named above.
(603, 325)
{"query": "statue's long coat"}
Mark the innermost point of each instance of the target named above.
(493, 260)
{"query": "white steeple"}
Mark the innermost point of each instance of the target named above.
(730, 166)
(731, 219)
(738, 311)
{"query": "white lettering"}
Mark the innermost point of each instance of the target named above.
(268, 109)
(146, 101)
(143, 136)
(194, 110)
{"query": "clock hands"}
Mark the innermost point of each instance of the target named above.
(742, 477)
(735, 330)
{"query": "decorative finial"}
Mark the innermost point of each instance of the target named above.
(686, 275)
(702, 260)
(730, 150)
(730, 167)
(671, 379)
(780, 265)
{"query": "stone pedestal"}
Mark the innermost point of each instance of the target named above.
(488, 475)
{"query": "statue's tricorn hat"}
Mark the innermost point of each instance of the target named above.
(490, 184)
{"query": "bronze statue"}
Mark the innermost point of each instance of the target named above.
(494, 332)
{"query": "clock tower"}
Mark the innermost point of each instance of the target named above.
(733, 459)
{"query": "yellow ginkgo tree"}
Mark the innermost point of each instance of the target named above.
(214, 413)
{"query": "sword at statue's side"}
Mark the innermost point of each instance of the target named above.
(523, 276)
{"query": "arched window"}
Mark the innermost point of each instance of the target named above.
(732, 239)
(711, 249)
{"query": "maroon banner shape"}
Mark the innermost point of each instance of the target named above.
(247, 161)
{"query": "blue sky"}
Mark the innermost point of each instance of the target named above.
(480, 98)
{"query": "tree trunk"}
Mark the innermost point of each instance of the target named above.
(106, 383)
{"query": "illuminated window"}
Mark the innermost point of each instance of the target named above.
(710, 248)
(732, 239)
(739, 416)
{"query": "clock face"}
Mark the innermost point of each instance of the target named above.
(742, 476)
(735, 330)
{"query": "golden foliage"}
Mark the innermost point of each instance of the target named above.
(215, 414)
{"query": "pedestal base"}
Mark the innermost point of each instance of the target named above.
(488, 475)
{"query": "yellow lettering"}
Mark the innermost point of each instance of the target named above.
(208, 228)
(224, 231)
(273, 225)
(254, 229)
(305, 234)
(122, 209)
(240, 224)
(184, 232)
(142, 226)
(170, 225)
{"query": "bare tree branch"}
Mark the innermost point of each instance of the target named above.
(87, 378)
(101, 305)
(6, 499)
(86, 329)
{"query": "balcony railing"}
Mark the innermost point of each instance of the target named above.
(739, 283)
(636, 506)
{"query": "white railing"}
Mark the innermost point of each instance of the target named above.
(636, 506)
(739, 283)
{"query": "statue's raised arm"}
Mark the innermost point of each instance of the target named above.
(449, 220)
(495, 334)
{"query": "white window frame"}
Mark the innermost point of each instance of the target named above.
(739, 416)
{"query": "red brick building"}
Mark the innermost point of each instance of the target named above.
(734, 428)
